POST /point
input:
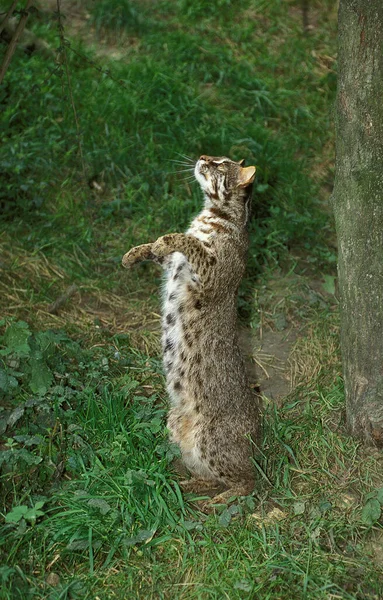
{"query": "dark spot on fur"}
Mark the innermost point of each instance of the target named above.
(172, 296)
(181, 372)
(181, 308)
(213, 260)
(182, 356)
(177, 385)
(169, 345)
(198, 304)
(220, 213)
(188, 338)
(197, 408)
(170, 319)
(212, 462)
(221, 474)
(197, 358)
(180, 267)
(199, 380)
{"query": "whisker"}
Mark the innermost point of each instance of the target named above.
(178, 171)
(183, 164)
(186, 157)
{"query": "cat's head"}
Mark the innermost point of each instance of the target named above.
(224, 181)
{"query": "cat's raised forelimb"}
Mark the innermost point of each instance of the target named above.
(200, 258)
(137, 254)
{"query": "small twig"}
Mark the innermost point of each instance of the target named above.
(106, 72)
(7, 15)
(57, 304)
(15, 38)
(305, 16)
(63, 44)
(261, 366)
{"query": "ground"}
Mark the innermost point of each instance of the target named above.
(91, 505)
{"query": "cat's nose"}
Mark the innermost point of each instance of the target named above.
(204, 157)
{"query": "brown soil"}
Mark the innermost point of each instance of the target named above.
(267, 360)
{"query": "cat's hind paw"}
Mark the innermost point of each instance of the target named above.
(197, 485)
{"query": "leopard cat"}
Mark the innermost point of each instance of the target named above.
(214, 414)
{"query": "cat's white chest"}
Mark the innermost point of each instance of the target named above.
(178, 276)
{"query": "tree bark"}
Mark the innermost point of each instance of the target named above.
(358, 207)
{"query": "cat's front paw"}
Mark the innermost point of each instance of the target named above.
(164, 245)
(137, 254)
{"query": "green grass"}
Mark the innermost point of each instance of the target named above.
(90, 500)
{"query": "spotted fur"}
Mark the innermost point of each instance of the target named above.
(213, 412)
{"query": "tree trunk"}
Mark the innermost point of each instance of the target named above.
(358, 207)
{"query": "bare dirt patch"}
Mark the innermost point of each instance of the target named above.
(267, 360)
(76, 21)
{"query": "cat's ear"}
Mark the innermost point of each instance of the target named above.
(241, 162)
(246, 176)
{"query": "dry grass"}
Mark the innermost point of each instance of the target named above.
(29, 283)
(315, 358)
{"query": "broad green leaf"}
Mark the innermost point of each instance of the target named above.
(16, 514)
(6, 572)
(100, 504)
(227, 514)
(379, 495)
(324, 506)
(16, 339)
(145, 535)
(29, 440)
(243, 584)
(329, 284)
(16, 415)
(370, 495)
(191, 525)
(299, 508)
(280, 322)
(7, 382)
(32, 514)
(4, 381)
(155, 425)
(28, 457)
(371, 512)
(41, 378)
